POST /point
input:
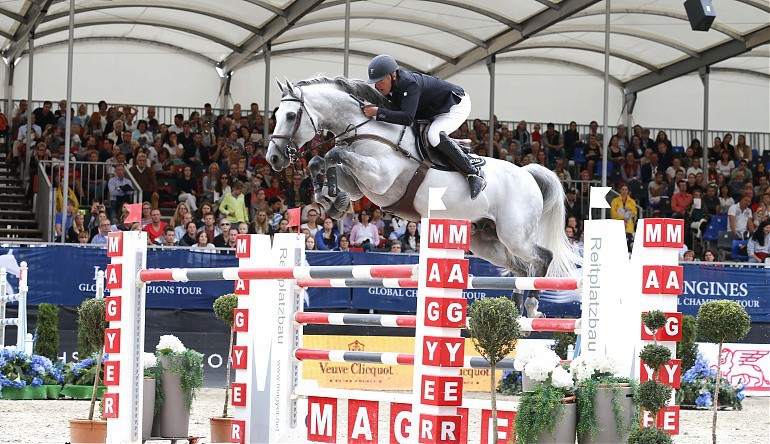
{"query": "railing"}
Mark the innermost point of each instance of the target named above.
(43, 206)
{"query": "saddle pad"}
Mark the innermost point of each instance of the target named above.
(439, 160)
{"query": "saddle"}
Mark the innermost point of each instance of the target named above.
(429, 159)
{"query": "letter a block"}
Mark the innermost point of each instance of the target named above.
(114, 275)
(662, 279)
(241, 287)
(447, 273)
(363, 427)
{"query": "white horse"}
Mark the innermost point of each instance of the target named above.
(518, 220)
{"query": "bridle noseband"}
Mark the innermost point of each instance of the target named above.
(292, 149)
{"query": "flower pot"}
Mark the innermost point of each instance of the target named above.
(173, 419)
(566, 424)
(220, 429)
(38, 392)
(83, 430)
(606, 427)
(52, 391)
(13, 393)
(526, 382)
(148, 409)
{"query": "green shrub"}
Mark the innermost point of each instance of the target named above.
(655, 356)
(687, 349)
(654, 320)
(91, 326)
(47, 341)
(649, 435)
(722, 321)
(654, 395)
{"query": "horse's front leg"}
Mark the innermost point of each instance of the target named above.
(361, 169)
(324, 177)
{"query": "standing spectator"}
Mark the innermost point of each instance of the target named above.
(739, 217)
(364, 234)
(155, 228)
(624, 208)
(233, 205)
(121, 190)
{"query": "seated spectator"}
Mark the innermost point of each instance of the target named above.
(78, 226)
(364, 234)
(145, 178)
(261, 224)
(233, 205)
(736, 185)
(101, 236)
(190, 236)
(344, 243)
(725, 199)
(232, 237)
(83, 237)
(203, 244)
(180, 227)
(576, 225)
(283, 226)
(312, 223)
(692, 184)
(709, 256)
(593, 154)
(656, 190)
(187, 186)
(624, 208)
(209, 182)
(275, 213)
(740, 220)
(742, 168)
(220, 240)
(310, 244)
(155, 228)
(410, 240)
(168, 238)
(631, 173)
(759, 243)
(689, 256)
(711, 201)
(395, 246)
(327, 237)
(121, 190)
(676, 165)
(297, 195)
(725, 165)
(179, 212)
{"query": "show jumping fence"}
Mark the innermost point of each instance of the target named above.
(20, 321)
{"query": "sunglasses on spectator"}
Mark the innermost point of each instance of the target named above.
(224, 224)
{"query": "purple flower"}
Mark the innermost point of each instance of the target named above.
(36, 382)
(704, 399)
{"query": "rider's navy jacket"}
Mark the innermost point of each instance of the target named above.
(419, 96)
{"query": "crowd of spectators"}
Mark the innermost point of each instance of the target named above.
(212, 169)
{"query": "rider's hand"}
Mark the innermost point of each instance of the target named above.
(370, 111)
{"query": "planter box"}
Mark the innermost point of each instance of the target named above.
(566, 425)
(52, 391)
(606, 427)
(85, 431)
(220, 429)
(148, 411)
(82, 391)
(173, 419)
(13, 393)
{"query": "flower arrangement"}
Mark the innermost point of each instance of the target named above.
(553, 383)
(150, 365)
(187, 363)
(19, 370)
(83, 372)
(697, 388)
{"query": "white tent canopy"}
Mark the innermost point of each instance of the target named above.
(548, 53)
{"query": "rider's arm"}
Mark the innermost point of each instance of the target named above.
(409, 101)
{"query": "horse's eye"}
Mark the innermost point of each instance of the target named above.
(291, 116)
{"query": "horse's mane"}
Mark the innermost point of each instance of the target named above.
(357, 88)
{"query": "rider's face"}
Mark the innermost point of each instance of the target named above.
(385, 85)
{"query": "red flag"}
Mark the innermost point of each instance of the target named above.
(295, 217)
(134, 213)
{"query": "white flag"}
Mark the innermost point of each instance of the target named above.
(598, 197)
(434, 199)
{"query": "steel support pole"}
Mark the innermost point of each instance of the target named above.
(266, 130)
(346, 58)
(704, 74)
(28, 140)
(68, 125)
(606, 128)
(491, 62)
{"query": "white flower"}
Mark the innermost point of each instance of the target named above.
(538, 370)
(525, 351)
(581, 368)
(149, 360)
(605, 364)
(170, 343)
(561, 378)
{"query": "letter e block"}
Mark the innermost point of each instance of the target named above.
(442, 390)
(668, 419)
(505, 431)
(238, 397)
(111, 373)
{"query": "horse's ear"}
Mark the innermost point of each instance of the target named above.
(280, 86)
(290, 87)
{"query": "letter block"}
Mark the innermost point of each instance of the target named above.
(672, 331)
(400, 423)
(363, 427)
(505, 429)
(238, 396)
(111, 373)
(662, 279)
(114, 275)
(443, 352)
(238, 431)
(441, 390)
(447, 273)
(241, 287)
(110, 402)
(444, 429)
(667, 419)
(449, 234)
(663, 233)
(446, 312)
(112, 340)
(115, 244)
(240, 357)
(670, 374)
(322, 419)
(113, 308)
(242, 246)
(241, 320)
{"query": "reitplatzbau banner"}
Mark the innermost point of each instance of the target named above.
(65, 275)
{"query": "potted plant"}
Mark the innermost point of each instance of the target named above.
(720, 322)
(150, 364)
(179, 376)
(698, 386)
(606, 411)
(653, 395)
(223, 309)
(47, 334)
(79, 378)
(550, 402)
(91, 326)
(494, 329)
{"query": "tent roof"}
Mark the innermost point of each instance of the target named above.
(651, 41)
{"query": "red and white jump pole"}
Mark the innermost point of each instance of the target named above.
(474, 283)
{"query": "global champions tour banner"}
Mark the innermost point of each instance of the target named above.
(64, 275)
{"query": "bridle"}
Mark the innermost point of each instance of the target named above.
(292, 149)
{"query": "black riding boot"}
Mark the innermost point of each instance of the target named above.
(462, 163)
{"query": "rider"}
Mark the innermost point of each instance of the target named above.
(420, 96)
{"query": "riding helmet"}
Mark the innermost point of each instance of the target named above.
(380, 67)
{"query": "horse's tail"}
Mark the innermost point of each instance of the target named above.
(551, 232)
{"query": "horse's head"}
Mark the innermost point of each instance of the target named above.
(294, 126)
